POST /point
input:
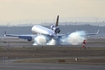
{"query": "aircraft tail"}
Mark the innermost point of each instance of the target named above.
(57, 21)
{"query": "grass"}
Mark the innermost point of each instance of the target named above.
(95, 61)
(55, 54)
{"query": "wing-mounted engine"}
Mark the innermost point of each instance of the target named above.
(55, 29)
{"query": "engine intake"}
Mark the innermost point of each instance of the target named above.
(57, 30)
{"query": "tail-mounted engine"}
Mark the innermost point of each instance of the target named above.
(55, 29)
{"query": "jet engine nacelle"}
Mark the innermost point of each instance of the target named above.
(55, 29)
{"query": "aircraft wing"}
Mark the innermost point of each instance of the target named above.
(90, 34)
(27, 37)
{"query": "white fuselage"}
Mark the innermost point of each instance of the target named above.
(37, 29)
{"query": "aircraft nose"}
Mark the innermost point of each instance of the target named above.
(32, 29)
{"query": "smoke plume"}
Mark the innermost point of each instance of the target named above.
(51, 42)
(76, 38)
(43, 40)
(40, 40)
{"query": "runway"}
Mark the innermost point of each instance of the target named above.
(48, 66)
(16, 42)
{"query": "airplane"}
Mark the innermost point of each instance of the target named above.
(51, 33)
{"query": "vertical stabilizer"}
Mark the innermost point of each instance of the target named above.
(57, 21)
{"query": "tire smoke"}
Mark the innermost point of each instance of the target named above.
(43, 40)
(74, 38)
(51, 42)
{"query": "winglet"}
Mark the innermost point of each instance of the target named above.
(98, 31)
(57, 21)
(5, 33)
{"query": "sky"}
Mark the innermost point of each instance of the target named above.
(11, 10)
